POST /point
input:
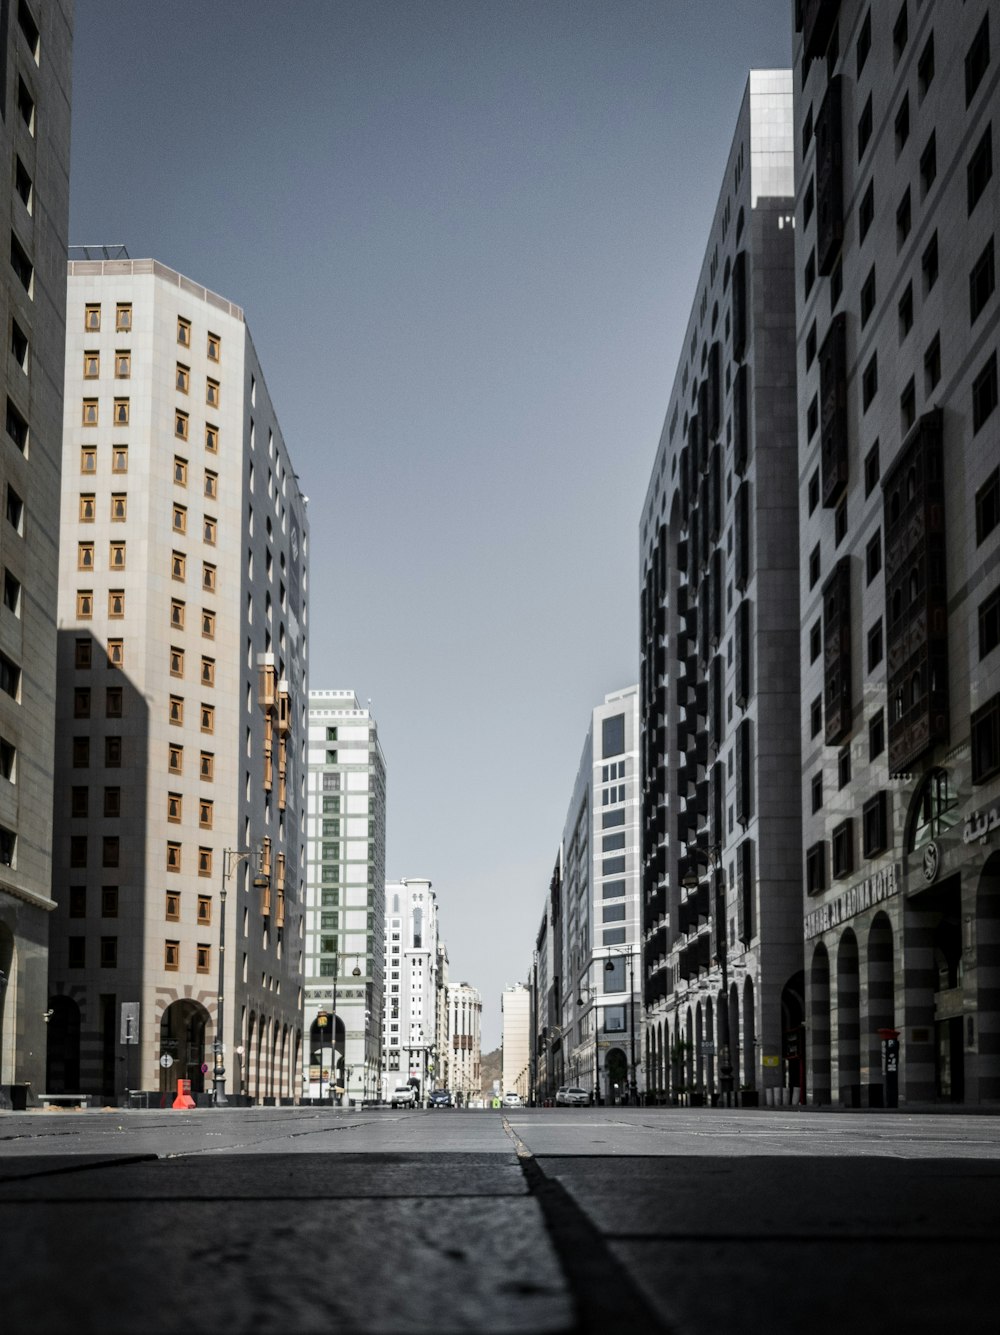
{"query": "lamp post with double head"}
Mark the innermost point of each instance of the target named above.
(711, 859)
(628, 952)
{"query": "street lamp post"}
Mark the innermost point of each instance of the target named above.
(629, 952)
(231, 858)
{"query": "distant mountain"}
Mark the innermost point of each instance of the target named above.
(491, 1067)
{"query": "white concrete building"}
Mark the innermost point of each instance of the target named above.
(465, 1012)
(410, 1015)
(180, 762)
(345, 922)
(35, 61)
(516, 1040)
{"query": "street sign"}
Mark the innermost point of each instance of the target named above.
(129, 1033)
(770, 1059)
(204, 1068)
(166, 1061)
(708, 1049)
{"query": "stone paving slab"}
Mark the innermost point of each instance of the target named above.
(819, 1288)
(784, 1197)
(261, 1177)
(303, 1265)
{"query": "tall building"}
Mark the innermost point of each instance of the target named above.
(412, 959)
(345, 924)
(596, 1041)
(897, 212)
(465, 1053)
(516, 1040)
(180, 760)
(35, 60)
(719, 637)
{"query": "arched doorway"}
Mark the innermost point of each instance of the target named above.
(819, 1018)
(699, 1051)
(182, 1036)
(848, 1021)
(734, 1035)
(881, 1000)
(616, 1076)
(62, 1058)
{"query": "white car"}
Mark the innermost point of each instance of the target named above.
(570, 1096)
(403, 1096)
(512, 1100)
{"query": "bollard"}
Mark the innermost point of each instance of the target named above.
(183, 1099)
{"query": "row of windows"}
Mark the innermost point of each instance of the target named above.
(92, 364)
(108, 957)
(123, 325)
(113, 754)
(175, 858)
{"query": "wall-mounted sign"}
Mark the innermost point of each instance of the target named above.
(980, 824)
(865, 895)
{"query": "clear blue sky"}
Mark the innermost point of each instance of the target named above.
(466, 235)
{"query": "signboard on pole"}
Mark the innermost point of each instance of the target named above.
(129, 1033)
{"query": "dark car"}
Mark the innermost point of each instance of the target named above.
(440, 1098)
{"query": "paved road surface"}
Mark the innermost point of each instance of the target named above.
(541, 1220)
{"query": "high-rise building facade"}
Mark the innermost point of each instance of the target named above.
(601, 1025)
(345, 924)
(515, 1004)
(719, 639)
(464, 1042)
(898, 202)
(35, 60)
(180, 760)
(410, 1036)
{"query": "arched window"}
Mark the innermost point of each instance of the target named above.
(933, 811)
(418, 929)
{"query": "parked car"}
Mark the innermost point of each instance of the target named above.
(572, 1096)
(440, 1098)
(403, 1096)
(512, 1100)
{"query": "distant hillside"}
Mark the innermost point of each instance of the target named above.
(492, 1063)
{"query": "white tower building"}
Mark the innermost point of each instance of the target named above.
(410, 1037)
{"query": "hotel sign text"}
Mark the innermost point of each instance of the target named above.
(883, 885)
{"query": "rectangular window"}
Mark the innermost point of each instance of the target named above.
(816, 868)
(92, 317)
(207, 766)
(211, 483)
(932, 365)
(116, 555)
(84, 604)
(214, 348)
(864, 127)
(78, 901)
(81, 752)
(212, 392)
(928, 165)
(875, 825)
(89, 412)
(171, 956)
(905, 310)
(900, 33)
(76, 952)
(868, 297)
(175, 710)
(982, 282)
(91, 366)
(180, 424)
(119, 507)
(980, 168)
(816, 716)
(844, 768)
(116, 653)
(208, 671)
(989, 624)
(176, 662)
(112, 752)
(109, 901)
(83, 652)
(113, 702)
(178, 566)
(902, 124)
(121, 412)
(110, 850)
(208, 575)
(204, 862)
(988, 506)
(876, 735)
(182, 378)
(977, 59)
(908, 406)
(208, 718)
(177, 609)
(78, 850)
(843, 849)
(123, 317)
(175, 808)
(925, 67)
(869, 382)
(211, 530)
(180, 471)
(79, 803)
(116, 604)
(984, 392)
(180, 518)
(81, 702)
(175, 759)
(173, 856)
(183, 332)
(88, 459)
(205, 910)
(119, 458)
(212, 439)
(84, 556)
(208, 625)
(985, 728)
(903, 219)
(123, 364)
(872, 470)
(205, 813)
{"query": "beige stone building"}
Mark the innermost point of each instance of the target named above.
(35, 57)
(180, 760)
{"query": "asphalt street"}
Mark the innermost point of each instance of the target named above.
(535, 1220)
